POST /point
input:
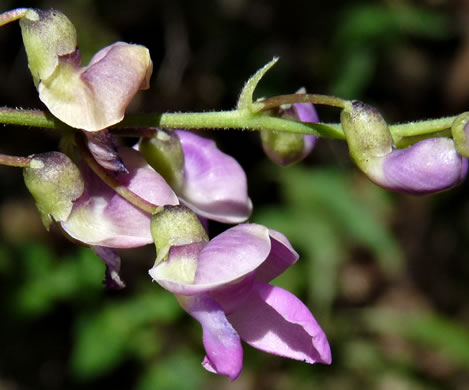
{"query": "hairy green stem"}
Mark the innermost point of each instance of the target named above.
(123, 191)
(221, 120)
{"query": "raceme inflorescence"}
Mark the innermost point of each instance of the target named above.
(167, 188)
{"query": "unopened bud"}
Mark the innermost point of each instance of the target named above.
(288, 148)
(55, 182)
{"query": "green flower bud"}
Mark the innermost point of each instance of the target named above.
(175, 226)
(165, 155)
(55, 182)
(286, 148)
(367, 134)
(47, 36)
(460, 132)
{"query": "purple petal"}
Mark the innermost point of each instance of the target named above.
(113, 265)
(428, 166)
(215, 185)
(103, 147)
(464, 169)
(275, 321)
(96, 97)
(281, 257)
(227, 259)
(102, 217)
(306, 112)
(221, 342)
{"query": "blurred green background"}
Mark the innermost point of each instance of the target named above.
(385, 274)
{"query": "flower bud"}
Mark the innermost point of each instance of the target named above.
(288, 148)
(282, 148)
(55, 182)
(460, 132)
(165, 155)
(175, 226)
(428, 166)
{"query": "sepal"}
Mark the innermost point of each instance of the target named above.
(48, 35)
(175, 226)
(55, 182)
(367, 134)
(165, 155)
(460, 132)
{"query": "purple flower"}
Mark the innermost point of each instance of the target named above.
(95, 97)
(91, 98)
(286, 148)
(101, 217)
(223, 285)
(428, 166)
(214, 184)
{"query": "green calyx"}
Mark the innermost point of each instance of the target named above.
(367, 133)
(175, 226)
(165, 155)
(460, 134)
(283, 148)
(55, 182)
(47, 36)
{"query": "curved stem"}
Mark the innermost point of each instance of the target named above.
(123, 191)
(13, 161)
(276, 101)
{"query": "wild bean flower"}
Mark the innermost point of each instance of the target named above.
(208, 181)
(223, 284)
(428, 166)
(90, 98)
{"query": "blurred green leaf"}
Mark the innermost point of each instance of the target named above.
(49, 280)
(178, 371)
(108, 336)
(435, 332)
(368, 31)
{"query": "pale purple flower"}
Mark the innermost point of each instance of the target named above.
(101, 217)
(214, 185)
(95, 97)
(428, 166)
(223, 284)
(104, 220)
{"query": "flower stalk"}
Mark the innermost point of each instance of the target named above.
(123, 191)
(14, 161)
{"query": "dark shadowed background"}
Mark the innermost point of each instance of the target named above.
(385, 274)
